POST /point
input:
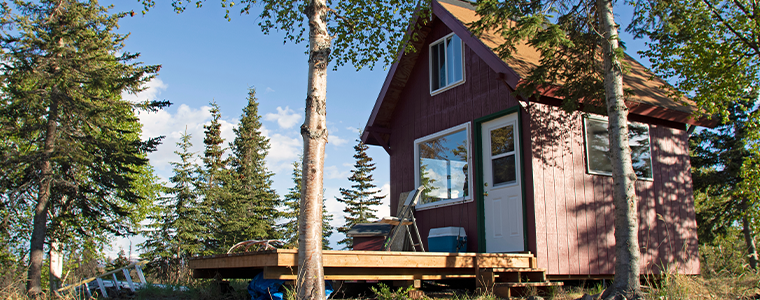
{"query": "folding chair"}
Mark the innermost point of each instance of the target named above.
(405, 218)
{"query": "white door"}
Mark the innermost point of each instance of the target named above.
(502, 191)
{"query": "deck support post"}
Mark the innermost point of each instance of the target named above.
(416, 283)
(484, 280)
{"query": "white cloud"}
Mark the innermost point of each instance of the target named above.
(336, 140)
(332, 172)
(153, 88)
(286, 117)
(385, 208)
(283, 150)
(269, 90)
(354, 129)
(173, 126)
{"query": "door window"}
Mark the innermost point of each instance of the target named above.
(503, 155)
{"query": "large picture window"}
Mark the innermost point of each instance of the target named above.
(446, 63)
(598, 147)
(442, 165)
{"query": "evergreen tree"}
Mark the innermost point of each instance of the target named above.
(357, 32)
(177, 231)
(291, 201)
(77, 141)
(251, 212)
(717, 159)
(214, 181)
(289, 229)
(362, 198)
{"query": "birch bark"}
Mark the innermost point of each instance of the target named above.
(748, 238)
(310, 283)
(623, 177)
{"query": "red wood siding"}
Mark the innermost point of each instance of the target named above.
(569, 213)
(577, 210)
(418, 114)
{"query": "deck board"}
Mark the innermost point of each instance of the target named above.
(359, 265)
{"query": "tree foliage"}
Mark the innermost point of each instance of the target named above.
(718, 157)
(74, 143)
(177, 230)
(708, 49)
(251, 210)
(214, 182)
(291, 202)
(353, 31)
(582, 63)
(363, 197)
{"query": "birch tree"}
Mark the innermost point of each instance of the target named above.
(571, 36)
(357, 32)
(291, 201)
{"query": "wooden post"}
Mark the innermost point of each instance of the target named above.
(484, 280)
(416, 283)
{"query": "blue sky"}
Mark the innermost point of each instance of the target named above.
(206, 58)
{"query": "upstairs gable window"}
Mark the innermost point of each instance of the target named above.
(446, 63)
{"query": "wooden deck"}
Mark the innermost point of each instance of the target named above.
(500, 273)
(361, 265)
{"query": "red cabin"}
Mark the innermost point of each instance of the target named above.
(523, 175)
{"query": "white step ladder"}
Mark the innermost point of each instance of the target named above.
(406, 218)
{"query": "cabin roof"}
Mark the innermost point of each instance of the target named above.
(648, 98)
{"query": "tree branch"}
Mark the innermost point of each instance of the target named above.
(731, 28)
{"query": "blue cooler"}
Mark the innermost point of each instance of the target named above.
(447, 239)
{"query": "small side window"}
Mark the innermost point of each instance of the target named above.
(446, 63)
(598, 148)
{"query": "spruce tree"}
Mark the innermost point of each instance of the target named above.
(251, 212)
(64, 71)
(718, 157)
(177, 231)
(362, 198)
(214, 181)
(291, 201)
(289, 228)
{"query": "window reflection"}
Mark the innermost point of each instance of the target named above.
(443, 167)
(598, 148)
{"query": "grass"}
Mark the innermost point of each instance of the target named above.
(669, 287)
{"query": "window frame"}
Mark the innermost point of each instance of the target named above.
(606, 120)
(466, 127)
(430, 65)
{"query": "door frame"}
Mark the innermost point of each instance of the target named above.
(478, 155)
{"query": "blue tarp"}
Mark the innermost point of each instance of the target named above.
(269, 289)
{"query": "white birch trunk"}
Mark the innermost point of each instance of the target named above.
(310, 283)
(623, 177)
(56, 266)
